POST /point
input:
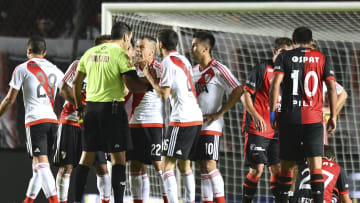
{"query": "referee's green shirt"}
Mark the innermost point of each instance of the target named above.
(103, 65)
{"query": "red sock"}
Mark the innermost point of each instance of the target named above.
(137, 201)
(28, 200)
(53, 199)
(105, 201)
(220, 199)
(207, 202)
(165, 199)
(64, 202)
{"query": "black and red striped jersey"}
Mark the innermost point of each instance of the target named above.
(258, 84)
(335, 180)
(302, 86)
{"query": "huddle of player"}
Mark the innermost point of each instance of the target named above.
(279, 130)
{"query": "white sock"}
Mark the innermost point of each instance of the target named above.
(136, 185)
(34, 184)
(48, 181)
(145, 188)
(206, 188)
(217, 183)
(62, 185)
(189, 181)
(170, 186)
(162, 184)
(104, 186)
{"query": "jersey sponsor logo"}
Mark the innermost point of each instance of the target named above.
(304, 59)
(96, 58)
(253, 147)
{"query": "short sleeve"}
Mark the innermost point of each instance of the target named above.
(70, 73)
(328, 71)
(227, 79)
(339, 88)
(279, 64)
(255, 79)
(167, 76)
(81, 65)
(125, 63)
(342, 183)
(60, 78)
(17, 78)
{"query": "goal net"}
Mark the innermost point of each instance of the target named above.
(244, 34)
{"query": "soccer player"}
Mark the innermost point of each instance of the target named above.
(212, 80)
(300, 73)
(146, 124)
(261, 146)
(39, 80)
(334, 177)
(107, 68)
(176, 83)
(69, 144)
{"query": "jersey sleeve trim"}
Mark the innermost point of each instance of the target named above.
(344, 192)
(249, 89)
(278, 72)
(233, 83)
(71, 71)
(185, 124)
(330, 78)
(45, 120)
(210, 132)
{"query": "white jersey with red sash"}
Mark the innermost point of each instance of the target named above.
(39, 80)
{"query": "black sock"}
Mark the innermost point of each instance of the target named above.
(284, 185)
(249, 187)
(81, 175)
(274, 185)
(317, 185)
(118, 182)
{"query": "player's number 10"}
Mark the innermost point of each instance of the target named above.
(310, 74)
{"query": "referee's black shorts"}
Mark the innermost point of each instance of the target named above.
(106, 127)
(299, 141)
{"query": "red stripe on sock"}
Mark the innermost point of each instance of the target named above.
(273, 178)
(28, 200)
(220, 199)
(53, 199)
(137, 201)
(316, 171)
(207, 201)
(284, 173)
(252, 178)
(317, 181)
(165, 199)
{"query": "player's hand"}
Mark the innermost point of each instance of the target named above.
(273, 119)
(80, 115)
(212, 117)
(331, 125)
(259, 123)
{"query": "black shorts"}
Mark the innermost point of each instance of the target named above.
(68, 147)
(299, 141)
(181, 142)
(208, 147)
(106, 127)
(40, 139)
(147, 145)
(261, 150)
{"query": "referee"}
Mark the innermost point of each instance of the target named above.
(108, 68)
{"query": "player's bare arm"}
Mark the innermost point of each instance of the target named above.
(341, 99)
(332, 97)
(232, 100)
(163, 92)
(77, 85)
(345, 198)
(8, 100)
(274, 92)
(66, 92)
(249, 106)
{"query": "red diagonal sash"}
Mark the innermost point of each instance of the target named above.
(43, 79)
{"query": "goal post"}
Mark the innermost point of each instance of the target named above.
(244, 34)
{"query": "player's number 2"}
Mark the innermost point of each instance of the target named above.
(52, 82)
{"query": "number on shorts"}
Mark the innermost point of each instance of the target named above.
(209, 148)
(155, 149)
(166, 144)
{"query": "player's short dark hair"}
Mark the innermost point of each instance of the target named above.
(119, 29)
(329, 152)
(36, 44)
(101, 38)
(282, 41)
(205, 36)
(168, 38)
(148, 37)
(302, 35)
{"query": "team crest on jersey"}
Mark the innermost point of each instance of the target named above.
(201, 84)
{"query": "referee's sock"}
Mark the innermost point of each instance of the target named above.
(317, 185)
(284, 185)
(118, 181)
(249, 187)
(81, 175)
